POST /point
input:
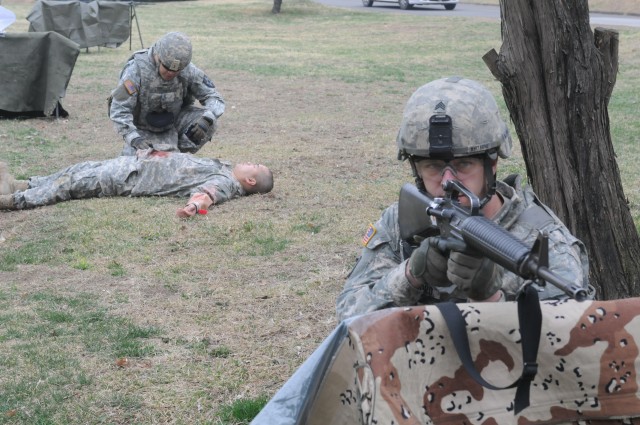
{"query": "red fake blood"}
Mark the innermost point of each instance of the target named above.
(159, 154)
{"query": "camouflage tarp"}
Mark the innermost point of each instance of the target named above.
(36, 68)
(97, 23)
(399, 366)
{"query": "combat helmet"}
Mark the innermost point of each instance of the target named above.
(174, 51)
(452, 117)
(449, 118)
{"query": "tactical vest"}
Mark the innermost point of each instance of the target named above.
(159, 101)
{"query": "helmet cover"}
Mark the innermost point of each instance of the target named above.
(466, 106)
(174, 51)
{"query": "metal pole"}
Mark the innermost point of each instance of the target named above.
(134, 14)
(130, 22)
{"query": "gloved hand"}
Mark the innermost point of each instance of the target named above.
(140, 143)
(186, 145)
(428, 264)
(477, 277)
(198, 131)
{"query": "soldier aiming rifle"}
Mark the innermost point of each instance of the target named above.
(452, 131)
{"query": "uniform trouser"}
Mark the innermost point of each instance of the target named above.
(91, 179)
(175, 139)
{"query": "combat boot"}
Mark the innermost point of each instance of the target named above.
(6, 202)
(8, 184)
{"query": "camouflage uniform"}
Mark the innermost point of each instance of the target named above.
(145, 105)
(443, 121)
(156, 174)
(378, 279)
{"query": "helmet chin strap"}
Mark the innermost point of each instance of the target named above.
(490, 178)
(419, 182)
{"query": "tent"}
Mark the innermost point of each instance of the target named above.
(399, 366)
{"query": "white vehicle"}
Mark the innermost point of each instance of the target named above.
(408, 4)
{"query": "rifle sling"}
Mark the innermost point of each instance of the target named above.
(530, 320)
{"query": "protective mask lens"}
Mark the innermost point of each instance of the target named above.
(459, 167)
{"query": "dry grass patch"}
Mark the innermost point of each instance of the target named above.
(231, 303)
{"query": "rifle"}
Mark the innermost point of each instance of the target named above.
(463, 228)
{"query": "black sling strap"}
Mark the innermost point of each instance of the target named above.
(530, 320)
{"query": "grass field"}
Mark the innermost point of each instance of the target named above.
(114, 311)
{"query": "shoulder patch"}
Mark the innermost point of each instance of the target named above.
(371, 231)
(131, 88)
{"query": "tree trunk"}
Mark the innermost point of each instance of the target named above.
(276, 6)
(557, 78)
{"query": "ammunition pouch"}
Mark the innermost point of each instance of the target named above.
(160, 120)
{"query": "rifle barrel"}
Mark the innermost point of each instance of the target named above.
(569, 288)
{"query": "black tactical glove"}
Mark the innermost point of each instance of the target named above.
(477, 277)
(186, 145)
(428, 264)
(140, 143)
(198, 131)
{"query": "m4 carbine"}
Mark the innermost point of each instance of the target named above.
(465, 228)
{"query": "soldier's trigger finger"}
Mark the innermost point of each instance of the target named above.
(446, 245)
(428, 263)
(464, 265)
(438, 243)
(437, 262)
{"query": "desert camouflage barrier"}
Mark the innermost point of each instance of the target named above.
(399, 366)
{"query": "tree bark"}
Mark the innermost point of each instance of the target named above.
(557, 78)
(277, 4)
